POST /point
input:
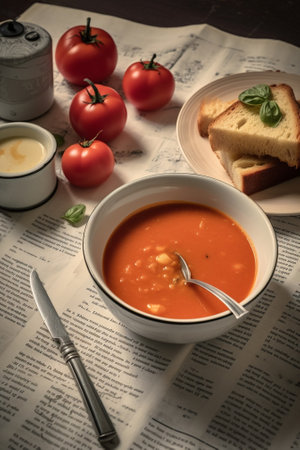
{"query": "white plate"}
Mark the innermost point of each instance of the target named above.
(282, 199)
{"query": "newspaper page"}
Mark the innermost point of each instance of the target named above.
(240, 390)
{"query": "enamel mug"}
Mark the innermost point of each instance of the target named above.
(27, 166)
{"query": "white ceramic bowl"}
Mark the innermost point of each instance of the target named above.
(29, 188)
(183, 187)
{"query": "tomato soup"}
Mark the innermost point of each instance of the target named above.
(140, 265)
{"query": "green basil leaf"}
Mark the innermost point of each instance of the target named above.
(256, 95)
(75, 214)
(59, 139)
(270, 113)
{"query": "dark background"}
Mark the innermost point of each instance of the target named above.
(274, 19)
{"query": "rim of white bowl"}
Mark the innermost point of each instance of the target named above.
(41, 165)
(121, 303)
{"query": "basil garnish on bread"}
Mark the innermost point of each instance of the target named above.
(269, 110)
(256, 95)
(270, 113)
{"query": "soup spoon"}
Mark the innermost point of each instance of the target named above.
(237, 309)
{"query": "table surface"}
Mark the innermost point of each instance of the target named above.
(253, 19)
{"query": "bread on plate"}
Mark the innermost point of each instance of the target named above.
(208, 111)
(249, 173)
(240, 129)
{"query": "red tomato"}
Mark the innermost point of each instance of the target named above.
(148, 85)
(85, 52)
(88, 163)
(98, 109)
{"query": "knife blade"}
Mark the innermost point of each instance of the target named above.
(100, 419)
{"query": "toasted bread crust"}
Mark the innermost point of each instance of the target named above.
(269, 175)
(251, 174)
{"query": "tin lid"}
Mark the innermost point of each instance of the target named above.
(22, 40)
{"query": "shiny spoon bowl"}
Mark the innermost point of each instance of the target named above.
(235, 307)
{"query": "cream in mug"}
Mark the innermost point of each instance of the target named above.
(20, 154)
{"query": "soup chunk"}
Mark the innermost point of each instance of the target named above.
(141, 267)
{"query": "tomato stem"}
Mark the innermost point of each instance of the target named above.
(86, 35)
(97, 97)
(87, 143)
(151, 64)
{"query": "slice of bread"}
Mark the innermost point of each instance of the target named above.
(208, 111)
(239, 129)
(251, 173)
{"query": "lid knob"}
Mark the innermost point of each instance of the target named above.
(11, 28)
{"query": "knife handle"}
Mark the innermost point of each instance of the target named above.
(103, 426)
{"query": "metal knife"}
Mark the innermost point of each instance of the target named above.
(103, 426)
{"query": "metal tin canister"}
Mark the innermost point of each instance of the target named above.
(26, 71)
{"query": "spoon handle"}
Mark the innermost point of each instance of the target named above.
(235, 307)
